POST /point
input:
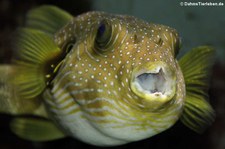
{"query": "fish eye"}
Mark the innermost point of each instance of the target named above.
(177, 47)
(103, 36)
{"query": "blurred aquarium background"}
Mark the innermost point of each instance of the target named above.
(197, 25)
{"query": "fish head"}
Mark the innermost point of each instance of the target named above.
(121, 73)
(122, 58)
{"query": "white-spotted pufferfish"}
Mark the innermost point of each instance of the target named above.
(101, 78)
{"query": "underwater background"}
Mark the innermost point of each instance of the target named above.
(197, 25)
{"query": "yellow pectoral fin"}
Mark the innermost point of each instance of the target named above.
(196, 66)
(198, 113)
(37, 52)
(35, 129)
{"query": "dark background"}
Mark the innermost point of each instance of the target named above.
(12, 14)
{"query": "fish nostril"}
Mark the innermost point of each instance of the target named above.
(159, 41)
(136, 39)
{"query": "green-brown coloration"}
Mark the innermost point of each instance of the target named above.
(107, 79)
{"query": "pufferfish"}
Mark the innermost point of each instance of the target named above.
(103, 79)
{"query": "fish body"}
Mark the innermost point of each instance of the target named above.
(92, 90)
(108, 79)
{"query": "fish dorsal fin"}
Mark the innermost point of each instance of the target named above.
(47, 18)
(37, 57)
(35, 129)
(196, 66)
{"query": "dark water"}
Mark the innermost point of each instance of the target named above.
(12, 13)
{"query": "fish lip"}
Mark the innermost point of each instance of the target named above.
(157, 73)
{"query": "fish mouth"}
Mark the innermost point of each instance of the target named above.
(154, 83)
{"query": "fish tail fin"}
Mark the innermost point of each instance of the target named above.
(35, 129)
(7, 93)
(196, 66)
(36, 60)
(10, 101)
